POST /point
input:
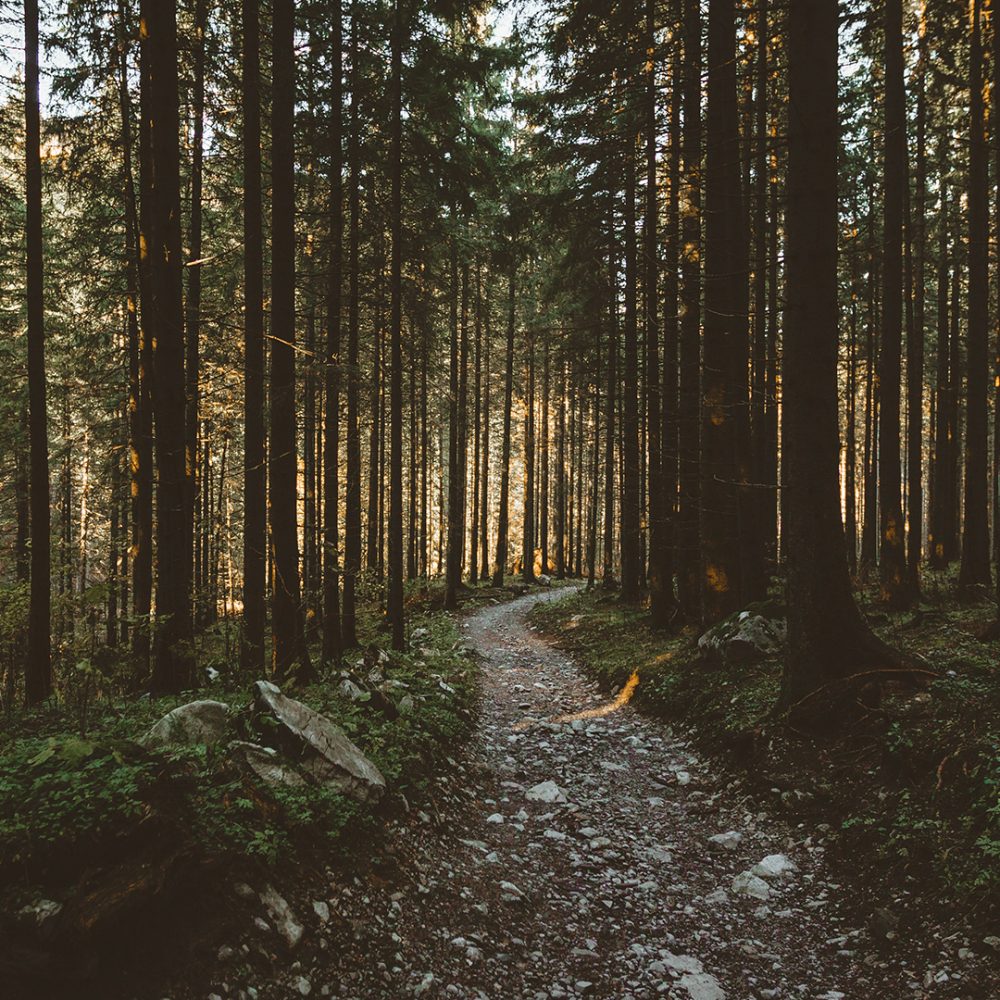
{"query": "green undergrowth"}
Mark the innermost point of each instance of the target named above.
(911, 789)
(79, 792)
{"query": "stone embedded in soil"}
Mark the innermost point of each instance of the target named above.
(285, 921)
(748, 884)
(197, 722)
(728, 841)
(546, 791)
(774, 866)
(264, 763)
(702, 986)
(321, 747)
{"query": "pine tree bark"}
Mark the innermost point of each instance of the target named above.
(725, 335)
(503, 507)
(173, 662)
(915, 343)
(689, 421)
(140, 415)
(192, 325)
(631, 498)
(661, 585)
(332, 639)
(827, 638)
(611, 382)
(395, 567)
(486, 415)
(289, 655)
(352, 510)
(892, 559)
(975, 566)
(254, 456)
(38, 665)
(453, 570)
(528, 539)
(476, 428)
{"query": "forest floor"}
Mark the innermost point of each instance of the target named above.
(567, 853)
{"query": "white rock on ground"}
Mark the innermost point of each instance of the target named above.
(285, 922)
(774, 866)
(321, 747)
(727, 841)
(546, 791)
(748, 884)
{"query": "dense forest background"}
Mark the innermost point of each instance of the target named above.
(320, 303)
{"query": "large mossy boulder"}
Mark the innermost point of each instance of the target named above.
(321, 748)
(204, 722)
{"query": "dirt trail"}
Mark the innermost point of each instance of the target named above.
(613, 889)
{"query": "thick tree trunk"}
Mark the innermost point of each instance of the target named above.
(332, 641)
(140, 414)
(38, 666)
(254, 458)
(975, 568)
(192, 327)
(892, 561)
(173, 664)
(395, 568)
(689, 421)
(827, 638)
(915, 343)
(611, 381)
(352, 510)
(725, 518)
(290, 657)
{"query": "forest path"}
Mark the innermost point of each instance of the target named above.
(614, 892)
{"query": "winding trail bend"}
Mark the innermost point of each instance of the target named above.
(615, 892)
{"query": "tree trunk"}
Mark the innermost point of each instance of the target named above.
(661, 584)
(254, 457)
(975, 568)
(631, 500)
(915, 343)
(484, 504)
(352, 512)
(453, 572)
(892, 563)
(192, 329)
(395, 569)
(689, 422)
(827, 638)
(38, 666)
(173, 663)
(611, 381)
(290, 657)
(725, 569)
(528, 546)
(503, 511)
(332, 641)
(476, 434)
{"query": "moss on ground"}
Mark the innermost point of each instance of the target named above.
(77, 790)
